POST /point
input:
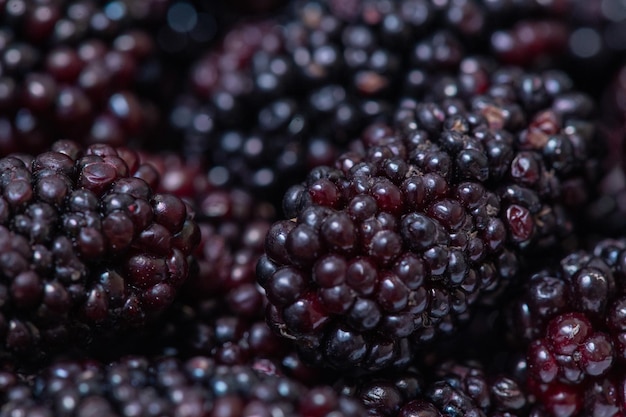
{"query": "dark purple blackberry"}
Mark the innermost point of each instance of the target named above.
(393, 245)
(166, 386)
(96, 72)
(454, 389)
(466, 389)
(88, 247)
(384, 394)
(76, 70)
(571, 320)
(578, 36)
(233, 225)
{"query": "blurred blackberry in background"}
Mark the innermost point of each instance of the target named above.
(571, 321)
(88, 249)
(141, 386)
(284, 95)
(97, 72)
(394, 244)
(78, 70)
(606, 217)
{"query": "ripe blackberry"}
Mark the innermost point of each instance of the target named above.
(280, 97)
(570, 319)
(454, 389)
(166, 386)
(393, 245)
(386, 393)
(578, 36)
(466, 389)
(88, 247)
(82, 70)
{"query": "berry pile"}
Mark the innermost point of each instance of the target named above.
(312, 208)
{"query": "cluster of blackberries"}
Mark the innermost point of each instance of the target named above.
(312, 208)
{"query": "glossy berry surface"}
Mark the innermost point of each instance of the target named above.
(392, 245)
(141, 386)
(89, 248)
(570, 321)
(451, 389)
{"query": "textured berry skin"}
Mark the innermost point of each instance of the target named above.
(453, 389)
(571, 322)
(233, 225)
(87, 247)
(392, 245)
(140, 386)
(220, 309)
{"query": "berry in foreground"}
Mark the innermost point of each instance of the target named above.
(571, 320)
(166, 386)
(454, 389)
(88, 249)
(394, 244)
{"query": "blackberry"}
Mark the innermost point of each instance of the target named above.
(285, 95)
(74, 70)
(394, 244)
(384, 394)
(454, 389)
(88, 248)
(570, 319)
(465, 389)
(142, 386)
(95, 72)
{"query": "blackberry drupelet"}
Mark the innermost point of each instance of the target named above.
(165, 386)
(571, 319)
(88, 249)
(394, 244)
